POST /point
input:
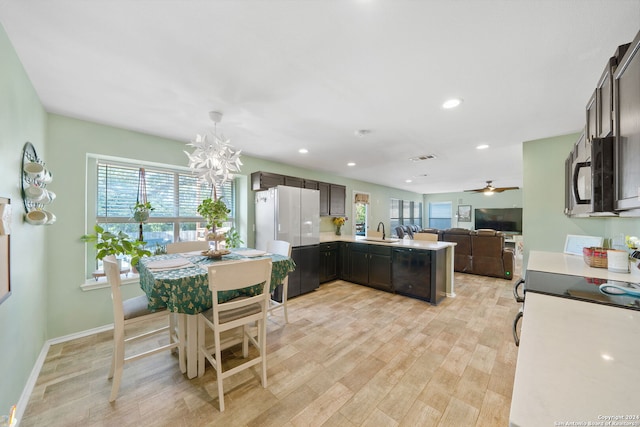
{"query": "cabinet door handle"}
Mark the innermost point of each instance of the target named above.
(516, 295)
(516, 338)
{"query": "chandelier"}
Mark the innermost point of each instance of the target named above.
(214, 160)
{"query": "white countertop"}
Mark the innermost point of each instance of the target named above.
(574, 265)
(578, 362)
(402, 243)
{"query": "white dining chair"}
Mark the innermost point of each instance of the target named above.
(181, 247)
(240, 314)
(134, 310)
(280, 247)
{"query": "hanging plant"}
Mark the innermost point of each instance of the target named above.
(141, 211)
(142, 208)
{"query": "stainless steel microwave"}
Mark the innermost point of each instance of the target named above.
(590, 177)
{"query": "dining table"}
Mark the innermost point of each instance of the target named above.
(180, 283)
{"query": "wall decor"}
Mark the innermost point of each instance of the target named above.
(464, 213)
(35, 196)
(5, 252)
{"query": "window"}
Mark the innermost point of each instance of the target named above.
(404, 212)
(440, 215)
(173, 193)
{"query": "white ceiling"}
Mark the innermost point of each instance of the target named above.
(309, 73)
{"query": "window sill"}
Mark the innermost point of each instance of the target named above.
(101, 282)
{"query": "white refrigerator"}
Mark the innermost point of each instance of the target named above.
(292, 214)
(286, 213)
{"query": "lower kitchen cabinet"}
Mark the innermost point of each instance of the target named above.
(344, 266)
(328, 261)
(305, 278)
(370, 265)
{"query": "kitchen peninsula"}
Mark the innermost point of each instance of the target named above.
(418, 269)
(577, 360)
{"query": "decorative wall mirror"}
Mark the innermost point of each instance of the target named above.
(35, 196)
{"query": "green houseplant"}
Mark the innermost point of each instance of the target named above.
(108, 243)
(141, 211)
(233, 239)
(215, 212)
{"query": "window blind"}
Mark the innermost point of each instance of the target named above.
(172, 194)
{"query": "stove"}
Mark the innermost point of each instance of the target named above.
(579, 288)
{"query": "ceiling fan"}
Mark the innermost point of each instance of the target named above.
(490, 189)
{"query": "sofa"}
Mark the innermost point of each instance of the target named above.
(480, 252)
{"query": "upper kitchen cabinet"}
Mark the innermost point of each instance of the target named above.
(592, 118)
(265, 180)
(332, 199)
(600, 111)
(310, 184)
(292, 181)
(627, 128)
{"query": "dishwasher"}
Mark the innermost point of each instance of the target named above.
(413, 274)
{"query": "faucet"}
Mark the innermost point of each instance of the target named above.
(378, 229)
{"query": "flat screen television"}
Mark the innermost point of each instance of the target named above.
(500, 219)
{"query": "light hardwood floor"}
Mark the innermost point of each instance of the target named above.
(350, 356)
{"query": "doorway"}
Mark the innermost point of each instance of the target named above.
(360, 213)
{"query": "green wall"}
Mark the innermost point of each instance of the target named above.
(23, 316)
(545, 225)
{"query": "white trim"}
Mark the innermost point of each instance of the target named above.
(93, 284)
(353, 211)
(21, 406)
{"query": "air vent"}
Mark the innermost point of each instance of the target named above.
(423, 157)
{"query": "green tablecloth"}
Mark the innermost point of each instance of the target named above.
(186, 290)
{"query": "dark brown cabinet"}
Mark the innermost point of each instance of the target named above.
(591, 129)
(337, 200)
(344, 263)
(291, 181)
(370, 265)
(328, 261)
(265, 180)
(305, 278)
(332, 196)
(310, 184)
(332, 199)
(627, 128)
(604, 90)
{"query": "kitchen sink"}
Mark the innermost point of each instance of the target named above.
(379, 240)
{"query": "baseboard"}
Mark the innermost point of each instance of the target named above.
(21, 406)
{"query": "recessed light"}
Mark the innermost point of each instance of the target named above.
(408, 181)
(452, 103)
(303, 151)
(351, 164)
(482, 147)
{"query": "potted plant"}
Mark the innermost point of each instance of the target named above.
(141, 211)
(108, 243)
(232, 239)
(215, 212)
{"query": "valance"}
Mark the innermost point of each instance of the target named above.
(362, 198)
